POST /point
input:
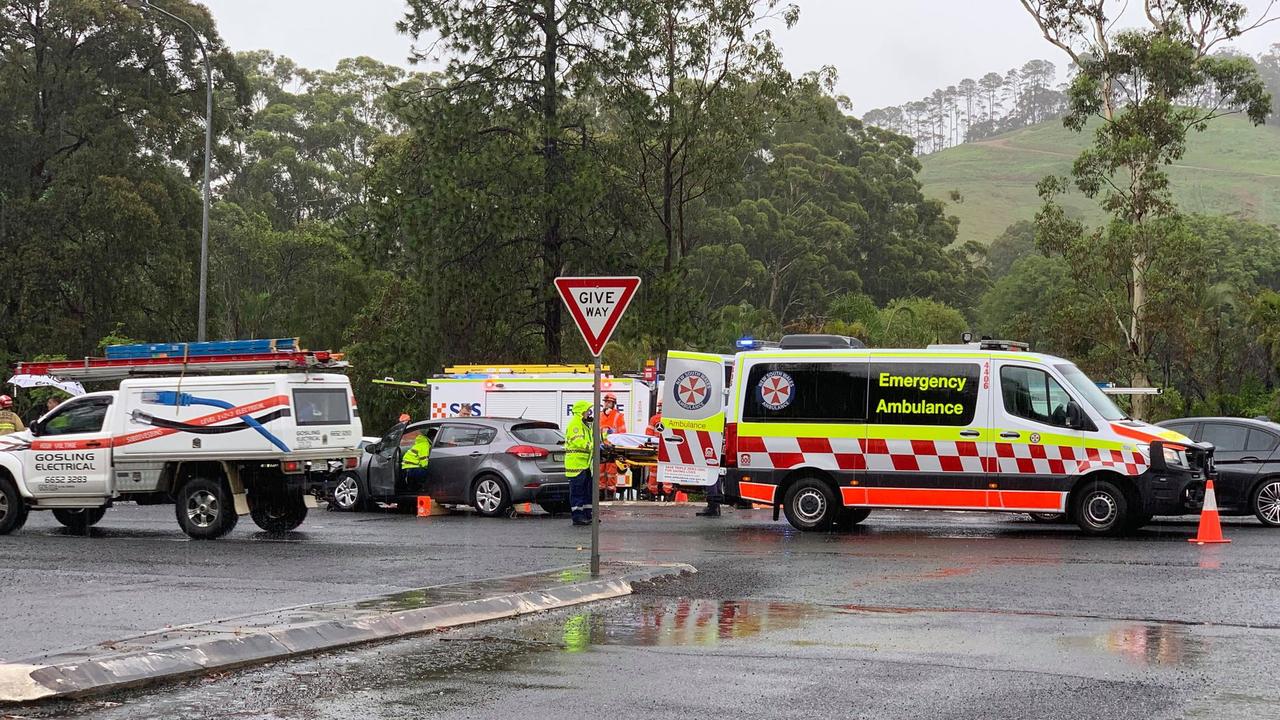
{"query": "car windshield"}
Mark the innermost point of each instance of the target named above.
(538, 434)
(1091, 392)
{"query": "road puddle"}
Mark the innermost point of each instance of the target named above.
(1148, 644)
(677, 622)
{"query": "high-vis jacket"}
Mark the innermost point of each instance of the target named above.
(418, 454)
(577, 441)
(612, 421)
(10, 422)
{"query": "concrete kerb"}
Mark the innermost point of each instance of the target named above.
(250, 639)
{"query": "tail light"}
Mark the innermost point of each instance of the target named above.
(291, 466)
(352, 463)
(731, 444)
(528, 452)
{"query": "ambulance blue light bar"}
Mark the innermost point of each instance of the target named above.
(746, 342)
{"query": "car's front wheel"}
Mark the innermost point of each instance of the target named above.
(13, 508)
(1102, 508)
(348, 494)
(810, 504)
(1266, 502)
(490, 496)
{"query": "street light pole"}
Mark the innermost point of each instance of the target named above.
(202, 319)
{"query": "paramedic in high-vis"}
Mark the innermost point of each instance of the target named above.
(415, 461)
(577, 462)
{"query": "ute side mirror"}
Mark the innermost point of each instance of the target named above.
(37, 429)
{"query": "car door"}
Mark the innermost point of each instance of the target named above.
(384, 466)
(70, 453)
(1238, 456)
(456, 452)
(1035, 446)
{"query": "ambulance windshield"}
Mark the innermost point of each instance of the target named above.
(1091, 392)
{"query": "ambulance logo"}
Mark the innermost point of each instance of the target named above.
(693, 390)
(777, 389)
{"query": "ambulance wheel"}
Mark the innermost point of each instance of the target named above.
(278, 514)
(79, 519)
(1102, 508)
(852, 516)
(810, 504)
(205, 509)
(13, 509)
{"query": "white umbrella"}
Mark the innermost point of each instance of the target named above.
(70, 387)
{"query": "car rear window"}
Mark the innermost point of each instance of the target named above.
(314, 406)
(538, 434)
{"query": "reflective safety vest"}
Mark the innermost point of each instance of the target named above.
(612, 422)
(418, 455)
(577, 447)
(10, 422)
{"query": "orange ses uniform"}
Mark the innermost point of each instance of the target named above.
(611, 423)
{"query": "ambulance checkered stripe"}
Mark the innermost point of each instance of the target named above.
(688, 447)
(930, 456)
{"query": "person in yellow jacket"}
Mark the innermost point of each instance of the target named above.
(414, 462)
(9, 420)
(577, 462)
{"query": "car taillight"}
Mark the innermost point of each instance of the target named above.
(291, 466)
(731, 445)
(352, 463)
(529, 452)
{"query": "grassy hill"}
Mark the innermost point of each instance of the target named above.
(1231, 168)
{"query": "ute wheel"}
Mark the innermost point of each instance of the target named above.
(852, 516)
(1046, 517)
(205, 509)
(810, 504)
(490, 497)
(79, 519)
(1266, 502)
(348, 494)
(1102, 508)
(278, 513)
(13, 509)
(555, 508)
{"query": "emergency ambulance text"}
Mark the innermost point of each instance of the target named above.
(922, 382)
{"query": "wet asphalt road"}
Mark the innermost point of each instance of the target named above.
(911, 615)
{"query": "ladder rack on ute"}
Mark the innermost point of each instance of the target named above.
(194, 359)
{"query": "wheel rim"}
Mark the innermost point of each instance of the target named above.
(488, 496)
(4, 506)
(347, 492)
(810, 505)
(202, 509)
(1100, 509)
(1269, 502)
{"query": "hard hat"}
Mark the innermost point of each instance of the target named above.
(6, 401)
(610, 396)
(581, 406)
(404, 417)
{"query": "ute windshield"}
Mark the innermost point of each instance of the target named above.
(1091, 392)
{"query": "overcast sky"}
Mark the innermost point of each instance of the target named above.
(886, 51)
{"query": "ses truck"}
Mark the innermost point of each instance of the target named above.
(828, 430)
(217, 447)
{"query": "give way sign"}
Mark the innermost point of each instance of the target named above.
(597, 304)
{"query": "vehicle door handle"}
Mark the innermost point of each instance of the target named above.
(1250, 459)
(969, 433)
(674, 439)
(476, 454)
(1010, 434)
(93, 444)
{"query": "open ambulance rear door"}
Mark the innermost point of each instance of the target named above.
(693, 419)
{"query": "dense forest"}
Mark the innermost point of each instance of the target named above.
(416, 219)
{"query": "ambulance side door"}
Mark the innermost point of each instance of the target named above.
(1035, 444)
(70, 453)
(693, 417)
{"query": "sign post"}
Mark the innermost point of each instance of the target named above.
(596, 304)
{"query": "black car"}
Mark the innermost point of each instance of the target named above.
(490, 464)
(1247, 458)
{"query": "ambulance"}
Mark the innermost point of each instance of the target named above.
(827, 430)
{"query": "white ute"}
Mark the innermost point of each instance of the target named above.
(216, 446)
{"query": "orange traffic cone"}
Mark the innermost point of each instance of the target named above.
(426, 508)
(1210, 526)
(528, 508)
(681, 497)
